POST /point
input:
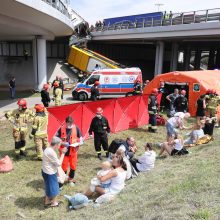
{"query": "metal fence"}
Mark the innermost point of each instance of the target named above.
(60, 5)
(202, 16)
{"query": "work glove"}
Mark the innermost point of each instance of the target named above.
(31, 136)
(65, 144)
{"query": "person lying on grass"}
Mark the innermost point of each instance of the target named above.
(174, 146)
(195, 135)
(146, 161)
(117, 177)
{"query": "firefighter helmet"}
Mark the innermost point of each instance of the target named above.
(22, 102)
(46, 86)
(56, 84)
(99, 110)
(39, 108)
(97, 83)
(154, 91)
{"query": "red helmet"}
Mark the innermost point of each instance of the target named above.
(97, 83)
(99, 110)
(22, 102)
(154, 91)
(183, 92)
(56, 84)
(39, 108)
(46, 86)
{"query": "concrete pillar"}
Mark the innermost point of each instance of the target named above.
(159, 58)
(174, 57)
(40, 62)
(187, 56)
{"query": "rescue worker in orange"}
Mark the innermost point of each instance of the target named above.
(20, 118)
(57, 94)
(39, 130)
(152, 110)
(72, 138)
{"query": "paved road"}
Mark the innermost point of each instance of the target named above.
(6, 105)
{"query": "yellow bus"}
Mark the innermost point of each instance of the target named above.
(88, 61)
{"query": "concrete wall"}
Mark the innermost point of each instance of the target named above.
(24, 71)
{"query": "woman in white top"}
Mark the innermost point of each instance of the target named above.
(174, 146)
(117, 177)
(146, 161)
(49, 171)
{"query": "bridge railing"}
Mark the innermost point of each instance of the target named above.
(201, 16)
(59, 5)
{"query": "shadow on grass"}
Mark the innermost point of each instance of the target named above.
(36, 184)
(86, 156)
(30, 203)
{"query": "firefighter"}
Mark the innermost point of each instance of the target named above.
(100, 127)
(20, 118)
(137, 87)
(39, 130)
(45, 97)
(72, 139)
(57, 94)
(61, 85)
(181, 102)
(152, 110)
(56, 80)
(213, 102)
(95, 91)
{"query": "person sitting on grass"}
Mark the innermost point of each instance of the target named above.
(49, 172)
(106, 167)
(117, 177)
(174, 146)
(195, 135)
(146, 161)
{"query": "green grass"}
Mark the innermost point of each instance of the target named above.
(185, 187)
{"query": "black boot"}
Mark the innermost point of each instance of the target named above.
(100, 156)
(23, 153)
(149, 129)
(107, 154)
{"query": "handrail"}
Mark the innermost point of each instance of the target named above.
(200, 16)
(59, 5)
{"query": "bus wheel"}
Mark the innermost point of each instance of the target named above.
(82, 96)
(129, 94)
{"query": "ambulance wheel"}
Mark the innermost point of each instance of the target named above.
(129, 94)
(82, 96)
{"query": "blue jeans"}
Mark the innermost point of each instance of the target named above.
(12, 92)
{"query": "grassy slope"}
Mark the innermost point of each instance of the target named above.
(178, 188)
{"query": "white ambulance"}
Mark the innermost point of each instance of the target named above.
(113, 83)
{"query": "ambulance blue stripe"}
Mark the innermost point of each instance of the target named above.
(117, 86)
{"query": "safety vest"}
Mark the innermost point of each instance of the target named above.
(72, 139)
(152, 104)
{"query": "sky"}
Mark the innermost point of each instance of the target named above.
(94, 10)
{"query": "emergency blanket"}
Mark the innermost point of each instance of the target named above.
(122, 114)
(203, 140)
(6, 164)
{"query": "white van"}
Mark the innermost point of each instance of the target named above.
(113, 83)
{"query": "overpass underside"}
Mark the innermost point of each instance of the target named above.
(156, 57)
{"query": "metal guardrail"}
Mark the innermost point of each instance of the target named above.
(201, 16)
(59, 5)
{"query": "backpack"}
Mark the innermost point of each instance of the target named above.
(113, 147)
(160, 120)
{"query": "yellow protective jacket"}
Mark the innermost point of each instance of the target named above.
(58, 94)
(20, 118)
(40, 123)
